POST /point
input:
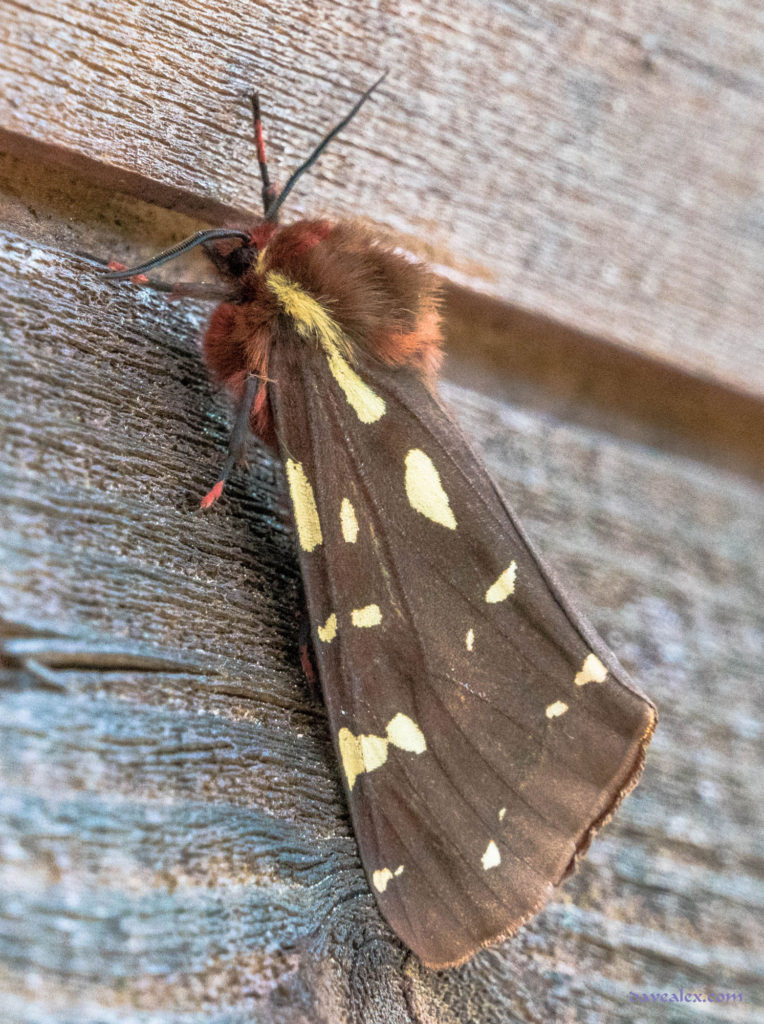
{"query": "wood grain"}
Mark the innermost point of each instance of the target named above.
(600, 165)
(501, 351)
(175, 846)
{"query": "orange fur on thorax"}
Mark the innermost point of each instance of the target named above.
(385, 304)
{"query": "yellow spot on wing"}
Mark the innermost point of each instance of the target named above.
(555, 710)
(351, 755)
(367, 404)
(502, 812)
(360, 753)
(366, 753)
(504, 585)
(469, 640)
(365, 617)
(304, 504)
(382, 877)
(373, 751)
(491, 858)
(592, 671)
(328, 631)
(348, 521)
(425, 491)
(404, 733)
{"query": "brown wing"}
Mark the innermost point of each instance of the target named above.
(483, 730)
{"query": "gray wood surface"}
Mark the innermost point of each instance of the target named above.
(600, 164)
(174, 845)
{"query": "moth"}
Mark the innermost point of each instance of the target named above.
(484, 732)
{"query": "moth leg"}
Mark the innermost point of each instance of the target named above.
(307, 655)
(114, 266)
(269, 190)
(175, 290)
(192, 290)
(178, 289)
(237, 444)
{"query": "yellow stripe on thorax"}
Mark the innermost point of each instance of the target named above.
(313, 321)
(310, 317)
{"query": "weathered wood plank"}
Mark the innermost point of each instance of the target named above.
(496, 349)
(175, 845)
(599, 165)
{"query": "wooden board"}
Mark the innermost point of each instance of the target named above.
(598, 165)
(175, 846)
(499, 350)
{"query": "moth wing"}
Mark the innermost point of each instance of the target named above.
(483, 729)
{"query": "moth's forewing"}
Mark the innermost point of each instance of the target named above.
(483, 730)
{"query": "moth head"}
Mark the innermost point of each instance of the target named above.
(242, 329)
(234, 257)
(245, 265)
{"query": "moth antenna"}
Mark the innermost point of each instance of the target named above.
(269, 190)
(199, 238)
(238, 441)
(273, 209)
